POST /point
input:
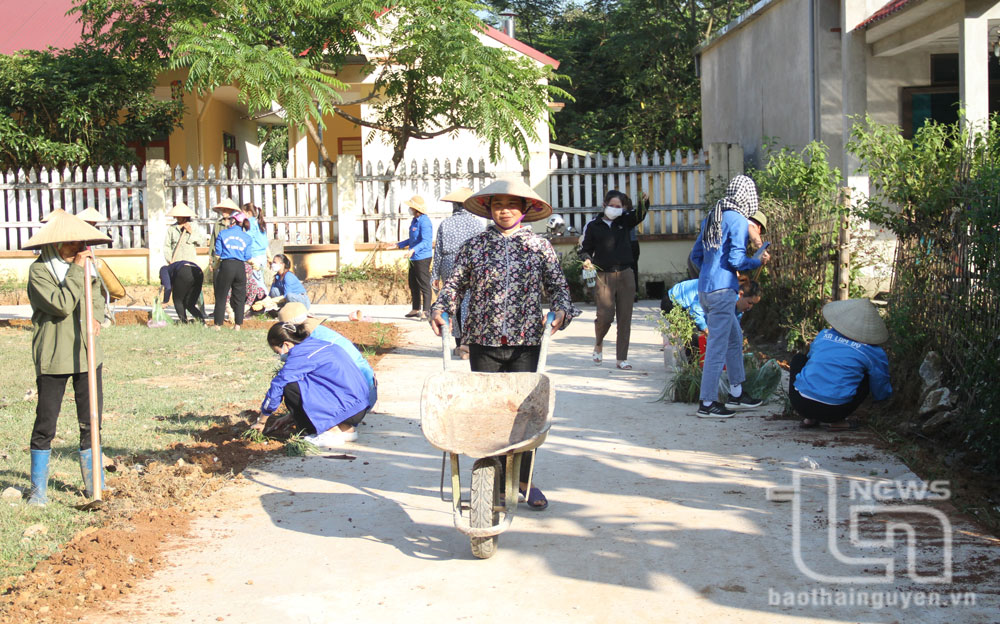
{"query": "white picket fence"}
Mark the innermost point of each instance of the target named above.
(675, 187)
(304, 210)
(29, 196)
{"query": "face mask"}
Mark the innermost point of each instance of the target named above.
(612, 213)
(282, 356)
(276, 267)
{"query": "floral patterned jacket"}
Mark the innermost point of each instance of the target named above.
(506, 277)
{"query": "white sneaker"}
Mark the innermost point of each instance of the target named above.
(332, 438)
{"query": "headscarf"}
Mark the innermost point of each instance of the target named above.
(741, 196)
(55, 263)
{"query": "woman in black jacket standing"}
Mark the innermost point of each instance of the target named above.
(607, 248)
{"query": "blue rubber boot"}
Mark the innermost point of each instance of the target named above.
(87, 472)
(39, 477)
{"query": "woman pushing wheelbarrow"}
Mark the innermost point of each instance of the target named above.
(506, 270)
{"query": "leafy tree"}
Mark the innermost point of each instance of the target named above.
(76, 107)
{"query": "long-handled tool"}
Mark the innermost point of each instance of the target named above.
(96, 455)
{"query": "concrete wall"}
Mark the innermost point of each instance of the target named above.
(755, 81)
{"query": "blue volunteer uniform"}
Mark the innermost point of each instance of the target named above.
(719, 266)
(233, 243)
(287, 284)
(328, 335)
(836, 366)
(421, 238)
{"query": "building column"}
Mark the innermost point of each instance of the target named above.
(973, 73)
(854, 85)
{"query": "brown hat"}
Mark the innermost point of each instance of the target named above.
(537, 208)
(458, 196)
(417, 203)
(90, 216)
(761, 219)
(296, 313)
(856, 319)
(181, 209)
(226, 205)
(66, 228)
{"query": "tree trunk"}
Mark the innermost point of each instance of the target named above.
(324, 156)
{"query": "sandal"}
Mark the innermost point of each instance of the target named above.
(598, 357)
(809, 424)
(624, 365)
(536, 500)
(843, 425)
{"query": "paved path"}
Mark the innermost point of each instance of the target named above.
(655, 516)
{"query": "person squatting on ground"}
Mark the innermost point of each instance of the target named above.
(606, 247)
(451, 235)
(59, 341)
(844, 365)
(286, 284)
(232, 248)
(685, 295)
(718, 253)
(505, 271)
(419, 244)
(182, 277)
(297, 314)
(325, 393)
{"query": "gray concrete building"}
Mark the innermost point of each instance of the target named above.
(797, 70)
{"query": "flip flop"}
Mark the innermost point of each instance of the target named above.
(845, 425)
(598, 357)
(809, 424)
(624, 365)
(534, 496)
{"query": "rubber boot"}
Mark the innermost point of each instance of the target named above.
(39, 477)
(87, 472)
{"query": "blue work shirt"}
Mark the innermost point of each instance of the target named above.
(326, 334)
(233, 243)
(719, 266)
(258, 246)
(421, 238)
(685, 294)
(287, 284)
(836, 366)
(332, 387)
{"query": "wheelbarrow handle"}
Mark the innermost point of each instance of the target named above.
(543, 353)
(445, 350)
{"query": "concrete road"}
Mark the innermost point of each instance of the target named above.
(655, 516)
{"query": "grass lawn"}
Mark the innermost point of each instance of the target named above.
(161, 386)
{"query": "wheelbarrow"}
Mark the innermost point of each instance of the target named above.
(492, 418)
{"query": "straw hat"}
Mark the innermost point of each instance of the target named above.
(181, 209)
(53, 214)
(417, 203)
(296, 313)
(760, 218)
(856, 319)
(458, 196)
(90, 216)
(538, 209)
(66, 228)
(226, 205)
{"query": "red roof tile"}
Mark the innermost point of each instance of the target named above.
(521, 47)
(38, 24)
(887, 10)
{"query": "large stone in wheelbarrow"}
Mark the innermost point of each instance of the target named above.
(484, 414)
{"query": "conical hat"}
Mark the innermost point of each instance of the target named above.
(181, 209)
(538, 208)
(226, 205)
(52, 215)
(90, 216)
(856, 319)
(66, 228)
(296, 313)
(458, 196)
(417, 203)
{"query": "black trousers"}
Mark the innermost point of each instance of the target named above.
(635, 264)
(814, 410)
(519, 359)
(420, 284)
(187, 285)
(51, 389)
(293, 401)
(231, 276)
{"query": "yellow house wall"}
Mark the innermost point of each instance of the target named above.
(336, 127)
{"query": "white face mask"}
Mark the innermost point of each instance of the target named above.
(276, 267)
(612, 213)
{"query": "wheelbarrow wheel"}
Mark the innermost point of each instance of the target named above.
(485, 497)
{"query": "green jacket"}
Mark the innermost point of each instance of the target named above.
(59, 335)
(188, 246)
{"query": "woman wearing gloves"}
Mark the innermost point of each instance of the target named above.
(325, 393)
(505, 270)
(607, 247)
(59, 340)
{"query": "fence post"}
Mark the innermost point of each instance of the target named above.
(346, 209)
(843, 247)
(155, 198)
